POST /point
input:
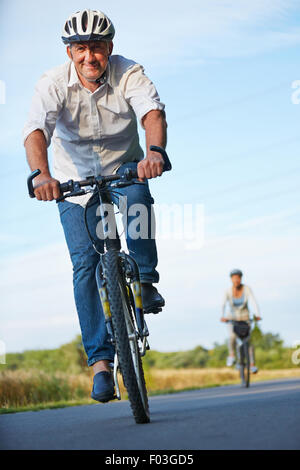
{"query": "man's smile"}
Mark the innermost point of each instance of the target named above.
(90, 66)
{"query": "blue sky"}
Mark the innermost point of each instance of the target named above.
(225, 70)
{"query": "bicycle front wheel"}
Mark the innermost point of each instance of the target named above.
(244, 364)
(247, 364)
(126, 341)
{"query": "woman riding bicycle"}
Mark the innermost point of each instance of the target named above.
(238, 296)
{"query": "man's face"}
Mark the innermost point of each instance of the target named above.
(90, 58)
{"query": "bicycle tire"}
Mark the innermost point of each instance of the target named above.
(241, 365)
(247, 364)
(132, 371)
(244, 365)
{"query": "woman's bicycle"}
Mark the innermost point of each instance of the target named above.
(243, 331)
(118, 281)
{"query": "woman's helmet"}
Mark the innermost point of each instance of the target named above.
(88, 25)
(236, 271)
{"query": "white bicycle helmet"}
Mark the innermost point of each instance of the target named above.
(88, 25)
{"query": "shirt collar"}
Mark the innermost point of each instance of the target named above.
(74, 77)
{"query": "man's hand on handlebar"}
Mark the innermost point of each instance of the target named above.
(151, 167)
(225, 320)
(46, 188)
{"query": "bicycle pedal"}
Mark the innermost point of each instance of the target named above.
(153, 310)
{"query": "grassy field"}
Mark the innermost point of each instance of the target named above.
(35, 390)
(34, 380)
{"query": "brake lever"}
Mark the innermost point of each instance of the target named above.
(73, 193)
(127, 179)
(121, 184)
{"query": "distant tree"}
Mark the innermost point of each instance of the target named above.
(217, 355)
(265, 341)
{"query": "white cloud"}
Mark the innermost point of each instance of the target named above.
(206, 29)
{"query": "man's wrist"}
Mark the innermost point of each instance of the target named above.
(154, 155)
(44, 176)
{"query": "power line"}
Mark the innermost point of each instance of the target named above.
(241, 99)
(241, 157)
(262, 198)
(250, 184)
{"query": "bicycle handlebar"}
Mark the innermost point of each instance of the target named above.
(30, 182)
(75, 186)
(251, 320)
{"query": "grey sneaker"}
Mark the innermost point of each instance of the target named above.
(230, 361)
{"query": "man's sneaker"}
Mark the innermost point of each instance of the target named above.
(103, 387)
(254, 369)
(152, 300)
(230, 361)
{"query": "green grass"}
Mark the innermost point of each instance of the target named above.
(46, 406)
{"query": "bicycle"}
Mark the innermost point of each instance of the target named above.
(243, 331)
(118, 282)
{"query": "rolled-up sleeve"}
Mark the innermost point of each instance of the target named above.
(45, 107)
(254, 302)
(141, 93)
(225, 300)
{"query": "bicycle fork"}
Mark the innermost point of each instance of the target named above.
(142, 332)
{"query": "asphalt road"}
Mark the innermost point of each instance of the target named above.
(265, 416)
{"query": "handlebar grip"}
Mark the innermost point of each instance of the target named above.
(30, 182)
(64, 187)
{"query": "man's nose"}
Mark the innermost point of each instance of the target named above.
(89, 55)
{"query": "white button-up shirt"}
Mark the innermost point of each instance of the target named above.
(92, 133)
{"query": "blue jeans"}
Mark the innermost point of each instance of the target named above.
(85, 259)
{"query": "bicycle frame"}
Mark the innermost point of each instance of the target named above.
(242, 353)
(240, 347)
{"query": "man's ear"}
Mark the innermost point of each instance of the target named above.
(111, 46)
(69, 53)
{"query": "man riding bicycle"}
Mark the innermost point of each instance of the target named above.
(88, 109)
(238, 297)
